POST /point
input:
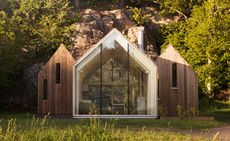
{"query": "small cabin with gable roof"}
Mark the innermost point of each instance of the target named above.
(55, 84)
(177, 85)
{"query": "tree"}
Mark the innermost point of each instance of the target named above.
(43, 25)
(181, 7)
(30, 31)
(208, 40)
(9, 54)
(204, 40)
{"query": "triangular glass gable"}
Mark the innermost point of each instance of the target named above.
(110, 81)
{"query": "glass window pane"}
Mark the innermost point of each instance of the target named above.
(111, 81)
(138, 89)
(114, 80)
(89, 84)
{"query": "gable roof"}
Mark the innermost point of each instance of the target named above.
(61, 48)
(137, 56)
(170, 53)
(121, 39)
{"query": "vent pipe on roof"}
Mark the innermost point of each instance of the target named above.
(140, 38)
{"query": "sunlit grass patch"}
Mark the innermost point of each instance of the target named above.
(33, 128)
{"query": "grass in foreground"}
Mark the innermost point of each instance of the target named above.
(93, 129)
(26, 127)
(23, 119)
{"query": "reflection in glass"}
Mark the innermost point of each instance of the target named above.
(113, 83)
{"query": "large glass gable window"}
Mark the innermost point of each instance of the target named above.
(111, 81)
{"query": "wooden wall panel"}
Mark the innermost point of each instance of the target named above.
(174, 102)
(59, 101)
(186, 92)
(180, 90)
(63, 82)
(188, 89)
(192, 89)
(39, 94)
(69, 85)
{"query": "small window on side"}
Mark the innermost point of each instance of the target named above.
(174, 75)
(58, 67)
(45, 89)
(158, 88)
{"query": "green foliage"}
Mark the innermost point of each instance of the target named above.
(181, 7)
(193, 111)
(43, 24)
(30, 30)
(9, 54)
(137, 15)
(204, 41)
(181, 112)
(4, 5)
(208, 39)
(93, 2)
(209, 106)
(163, 111)
(134, 3)
(174, 34)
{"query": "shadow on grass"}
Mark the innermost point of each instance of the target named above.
(222, 115)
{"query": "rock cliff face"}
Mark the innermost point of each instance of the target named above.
(94, 25)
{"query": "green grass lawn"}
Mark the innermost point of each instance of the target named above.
(25, 126)
(24, 118)
(219, 109)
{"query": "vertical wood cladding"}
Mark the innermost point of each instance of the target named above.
(184, 92)
(58, 75)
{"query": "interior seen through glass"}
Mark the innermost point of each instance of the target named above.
(113, 83)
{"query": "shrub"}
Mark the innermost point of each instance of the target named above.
(193, 111)
(181, 112)
(137, 15)
(163, 111)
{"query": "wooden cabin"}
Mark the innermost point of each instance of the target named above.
(118, 79)
(177, 83)
(55, 84)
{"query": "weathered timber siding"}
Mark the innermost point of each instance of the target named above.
(59, 98)
(186, 92)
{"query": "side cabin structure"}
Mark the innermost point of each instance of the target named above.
(177, 83)
(55, 84)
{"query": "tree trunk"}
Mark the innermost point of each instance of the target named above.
(76, 3)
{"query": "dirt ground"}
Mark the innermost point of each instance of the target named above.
(222, 133)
